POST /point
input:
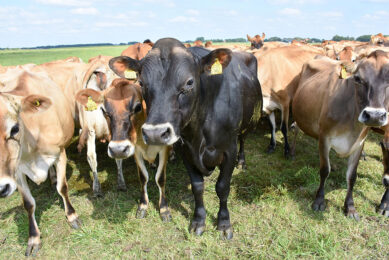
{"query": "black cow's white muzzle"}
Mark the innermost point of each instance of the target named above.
(373, 116)
(160, 134)
(120, 149)
(7, 187)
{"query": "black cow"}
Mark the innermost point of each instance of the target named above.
(204, 110)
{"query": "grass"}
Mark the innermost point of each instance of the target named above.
(269, 206)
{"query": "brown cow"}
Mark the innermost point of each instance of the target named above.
(138, 50)
(279, 71)
(256, 41)
(379, 39)
(126, 112)
(339, 112)
(198, 43)
(36, 126)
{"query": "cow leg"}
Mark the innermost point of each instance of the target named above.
(272, 123)
(351, 176)
(241, 156)
(197, 183)
(92, 160)
(143, 178)
(325, 168)
(53, 176)
(121, 182)
(223, 190)
(295, 129)
(383, 208)
(160, 179)
(34, 241)
(62, 188)
(284, 130)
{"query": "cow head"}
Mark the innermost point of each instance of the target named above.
(170, 80)
(347, 54)
(12, 133)
(124, 109)
(371, 79)
(256, 41)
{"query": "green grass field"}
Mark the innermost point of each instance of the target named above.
(270, 205)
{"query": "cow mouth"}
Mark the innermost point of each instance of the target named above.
(7, 187)
(159, 134)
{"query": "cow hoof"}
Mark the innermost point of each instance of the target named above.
(141, 213)
(75, 224)
(226, 234)
(197, 228)
(319, 205)
(241, 165)
(384, 209)
(270, 149)
(166, 217)
(353, 214)
(33, 247)
(122, 188)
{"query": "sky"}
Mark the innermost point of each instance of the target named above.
(51, 22)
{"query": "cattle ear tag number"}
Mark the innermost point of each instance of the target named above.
(343, 73)
(216, 68)
(90, 105)
(130, 74)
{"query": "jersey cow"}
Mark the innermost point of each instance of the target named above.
(339, 112)
(36, 126)
(202, 101)
(125, 111)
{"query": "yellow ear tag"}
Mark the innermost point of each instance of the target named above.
(216, 68)
(130, 74)
(90, 105)
(343, 73)
(37, 103)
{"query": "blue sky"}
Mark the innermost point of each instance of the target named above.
(50, 22)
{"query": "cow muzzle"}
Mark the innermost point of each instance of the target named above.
(7, 187)
(160, 134)
(373, 116)
(120, 149)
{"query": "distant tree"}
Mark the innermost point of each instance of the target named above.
(200, 39)
(364, 38)
(273, 39)
(131, 43)
(315, 40)
(338, 38)
(215, 40)
(236, 40)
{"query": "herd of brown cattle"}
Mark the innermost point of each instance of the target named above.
(324, 85)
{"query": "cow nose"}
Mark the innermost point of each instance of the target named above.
(120, 150)
(5, 190)
(373, 117)
(162, 134)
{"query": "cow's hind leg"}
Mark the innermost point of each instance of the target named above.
(92, 160)
(272, 123)
(241, 156)
(284, 130)
(160, 179)
(121, 182)
(62, 188)
(325, 168)
(351, 176)
(34, 241)
(143, 178)
(223, 190)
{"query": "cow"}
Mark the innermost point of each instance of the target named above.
(256, 41)
(347, 54)
(338, 111)
(379, 39)
(200, 101)
(198, 43)
(279, 73)
(36, 126)
(125, 111)
(208, 44)
(138, 50)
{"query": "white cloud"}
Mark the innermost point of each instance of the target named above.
(182, 19)
(231, 13)
(290, 11)
(85, 11)
(65, 2)
(300, 2)
(167, 3)
(379, 15)
(378, 1)
(334, 14)
(121, 25)
(193, 12)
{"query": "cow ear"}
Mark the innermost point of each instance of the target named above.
(263, 36)
(35, 103)
(249, 38)
(216, 61)
(125, 67)
(90, 98)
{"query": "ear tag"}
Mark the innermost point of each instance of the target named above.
(343, 73)
(216, 68)
(90, 105)
(130, 74)
(37, 103)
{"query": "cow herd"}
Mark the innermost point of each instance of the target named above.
(200, 102)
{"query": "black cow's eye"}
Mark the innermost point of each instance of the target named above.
(190, 82)
(138, 108)
(14, 130)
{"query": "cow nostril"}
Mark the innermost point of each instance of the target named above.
(166, 134)
(125, 149)
(4, 190)
(366, 115)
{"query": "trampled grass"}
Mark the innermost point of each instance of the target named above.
(270, 207)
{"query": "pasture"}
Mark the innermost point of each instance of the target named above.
(270, 204)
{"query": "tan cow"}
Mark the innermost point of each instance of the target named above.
(138, 50)
(256, 41)
(126, 112)
(379, 39)
(279, 73)
(36, 126)
(339, 111)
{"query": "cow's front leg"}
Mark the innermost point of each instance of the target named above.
(143, 178)
(223, 190)
(34, 241)
(383, 208)
(92, 160)
(160, 179)
(62, 188)
(121, 182)
(241, 156)
(272, 123)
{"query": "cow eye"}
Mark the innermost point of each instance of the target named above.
(190, 82)
(138, 108)
(14, 130)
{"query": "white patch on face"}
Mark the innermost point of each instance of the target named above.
(120, 146)
(373, 110)
(12, 184)
(173, 137)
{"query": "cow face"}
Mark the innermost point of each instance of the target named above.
(371, 80)
(170, 81)
(124, 109)
(12, 133)
(256, 41)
